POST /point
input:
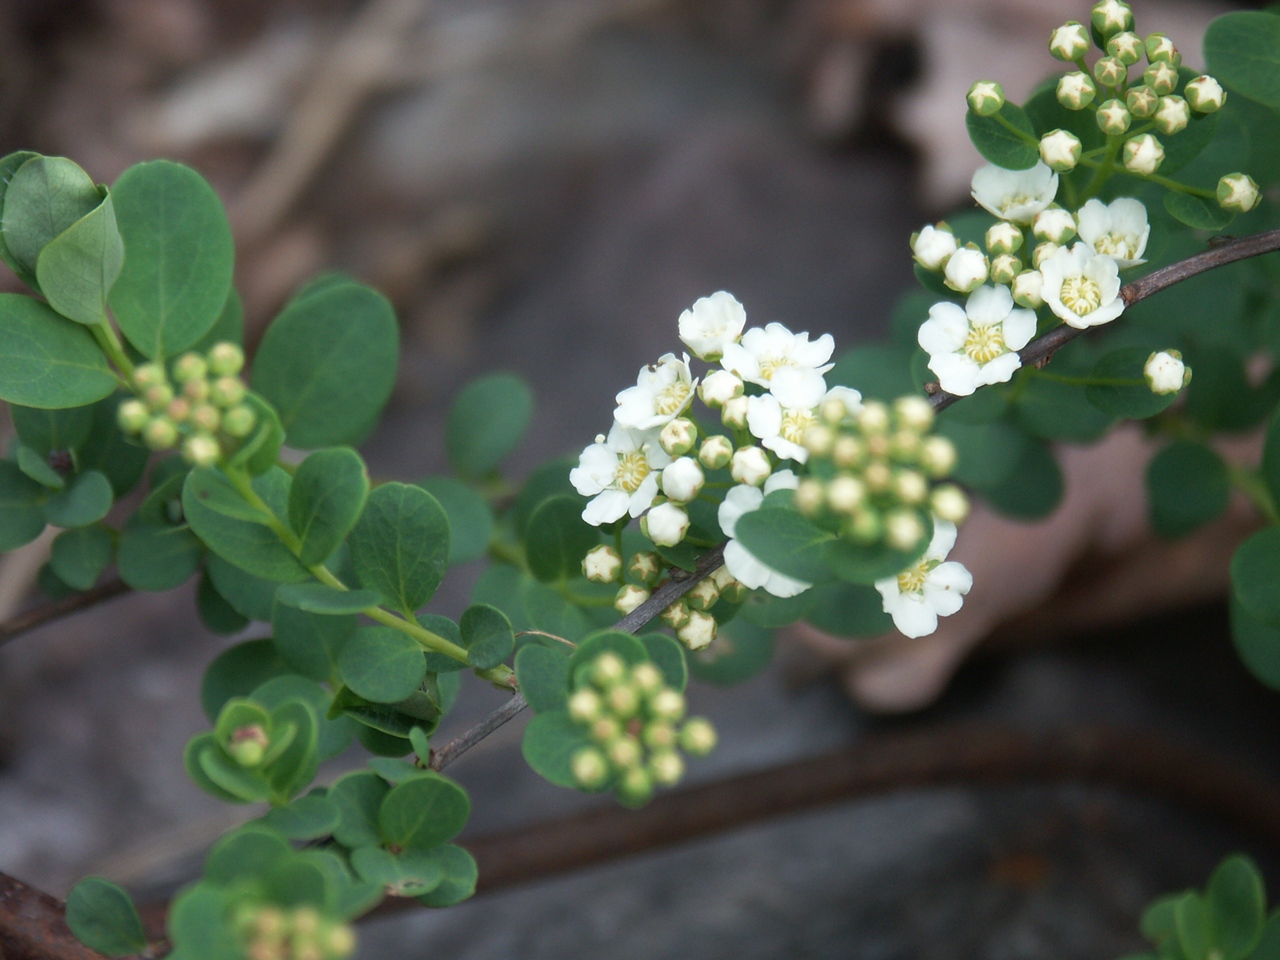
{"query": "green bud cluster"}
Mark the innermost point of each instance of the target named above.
(634, 720)
(200, 407)
(873, 474)
(690, 617)
(268, 932)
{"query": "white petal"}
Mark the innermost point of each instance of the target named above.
(999, 370)
(606, 508)
(945, 330)
(744, 566)
(944, 538)
(780, 585)
(851, 398)
(764, 416)
(956, 372)
(1093, 220)
(781, 480)
(596, 469)
(739, 500)
(741, 360)
(988, 304)
(798, 389)
(1019, 327)
(914, 617)
(642, 499)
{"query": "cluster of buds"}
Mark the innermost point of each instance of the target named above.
(634, 722)
(200, 407)
(690, 617)
(269, 932)
(874, 473)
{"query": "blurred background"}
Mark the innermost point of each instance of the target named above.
(542, 186)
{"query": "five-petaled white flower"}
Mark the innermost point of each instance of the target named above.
(978, 345)
(1118, 230)
(738, 560)
(662, 392)
(1016, 195)
(1082, 287)
(930, 588)
(712, 323)
(620, 473)
(781, 418)
(762, 352)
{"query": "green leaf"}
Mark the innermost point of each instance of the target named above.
(550, 741)
(381, 664)
(424, 812)
(1196, 211)
(250, 596)
(261, 449)
(38, 469)
(8, 167)
(459, 881)
(1255, 575)
(765, 610)
(400, 545)
(198, 915)
(102, 917)
(48, 431)
(358, 797)
(1126, 393)
(46, 360)
(309, 642)
(1258, 645)
(1035, 487)
(1195, 933)
(740, 651)
(487, 635)
(1000, 145)
(785, 541)
(21, 513)
(547, 610)
(246, 786)
(333, 735)
(44, 197)
(215, 612)
(328, 363)
(668, 656)
(1052, 410)
(410, 873)
(988, 453)
(1242, 50)
(78, 268)
(1187, 486)
(557, 538)
(251, 850)
(1268, 947)
(229, 327)
(1237, 906)
(154, 557)
(106, 449)
(177, 274)
(78, 557)
(196, 748)
(1270, 458)
(849, 610)
(296, 767)
(85, 500)
(318, 598)
(325, 500)
(470, 519)
(237, 531)
(867, 564)
(549, 480)
(236, 672)
(628, 647)
(543, 673)
(486, 422)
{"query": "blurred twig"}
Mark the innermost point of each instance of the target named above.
(44, 613)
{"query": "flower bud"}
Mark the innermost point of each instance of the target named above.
(913, 413)
(1113, 118)
(1165, 372)
(938, 456)
(1111, 16)
(197, 391)
(590, 768)
(622, 700)
(239, 421)
(604, 730)
(636, 786)
(1004, 268)
(948, 502)
(179, 410)
(158, 397)
(1076, 90)
(809, 496)
(715, 452)
(734, 413)
(1026, 289)
(659, 736)
(865, 527)
(666, 767)
(1110, 72)
(819, 440)
(848, 452)
(160, 433)
(201, 449)
(834, 409)
(1126, 47)
(1043, 252)
(190, 366)
(625, 751)
(1238, 192)
(733, 592)
(1159, 47)
(667, 704)
(607, 669)
(1055, 224)
(666, 524)
(877, 475)
(132, 416)
(1069, 42)
(678, 437)
(1003, 237)
(966, 269)
(1060, 150)
(750, 465)
(698, 737)
(645, 566)
(1142, 101)
(227, 392)
(1143, 154)
(873, 418)
(1162, 77)
(1205, 94)
(1172, 116)
(845, 494)
(698, 631)
(225, 359)
(910, 487)
(248, 745)
(148, 375)
(602, 564)
(340, 942)
(704, 595)
(676, 614)
(646, 677)
(205, 418)
(986, 97)
(584, 705)
(932, 246)
(682, 481)
(903, 529)
(719, 387)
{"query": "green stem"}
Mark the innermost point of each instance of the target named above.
(105, 334)
(1177, 187)
(1020, 134)
(1105, 168)
(1251, 484)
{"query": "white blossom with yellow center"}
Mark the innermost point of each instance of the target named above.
(1118, 230)
(738, 560)
(1016, 195)
(662, 392)
(781, 418)
(1082, 287)
(620, 473)
(975, 346)
(712, 323)
(930, 588)
(763, 351)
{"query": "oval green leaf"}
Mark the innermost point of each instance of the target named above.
(486, 422)
(237, 531)
(78, 268)
(1242, 50)
(400, 545)
(43, 197)
(85, 500)
(557, 538)
(325, 500)
(1255, 575)
(1123, 390)
(47, 360)
(424, 812)
(102, 917)
(550, 741)
(1187, 486)
(382, 664)
(543, 673)
(487, 635)
(1000, 145)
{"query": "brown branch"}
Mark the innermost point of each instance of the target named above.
(1042, 348)
(33, 926)
(43, 613)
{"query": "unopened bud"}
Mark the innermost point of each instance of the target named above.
(678, 437)
(666, 767)
(158, 397)
(848, 452)
(659, 736)
(1143, 154)
(819, 440)
(190, 366)
(1162, 77)
(865, 527)
(715, 452)
(682, 481)
(248, 745)
(623, 700)
(635, 786)
(668, 705)
(225, 359)
(698, 737)
(734, 413)
(698, 631)
(1205, 94)
(809, 496)
(132, 416)
(719, 387)
(1238, 192)
(1142, 101)
(666, 524)
(903, 529)
(675, 615)
(179, 410)
(1043, 252)
(629, 597)
(201, 449)
(590, 768)
(1165, 372)
(160, 433)
(877, 475)
(845, 494)
(602, 564)
(605, 730)
(227, 392)
(933, 246)
(1055, 225)
(910, 487)
(966, 269)
(584, 705)
(986, 97)
(206, 418)
(1126, 47)
(1005, 267)
(1060, 150)
(938, 456)
(1158, 46)
(624, 752)
(1069, 42)
(607, 669)
(1003, 237)
(239, 421)
(873, 418)
(148, 375)
(1111, 17)
(913, 413)
(1113, 118)
(1110, 72)
(197, 391)
(1026, 289)
(704, 595)
(645, 566)
(1172, 116)
(948, 502)
(646, 677)
(1076, 90)
(750, 465)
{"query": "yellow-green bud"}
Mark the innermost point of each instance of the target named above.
(624, 751)
(1162, 77)
(197, 391)
(227, 391)
(666, 767)
(201, 449)
(1111, 17)
(149, 375)
(132, 416)
(341, 941)
(913, 413)
(704, 595)
(904, 445)
(158, 397)
(1238, 192)
(873, 418)
(809, 496)
(715, 452)
(1159, 47)
(1055, 225)
(819, 439)
(607, 669)
(1076, 90)
(248, 745)
(848, 452)
(623, 700)
(602, 564)
(1205, 94)
(1110, 72)
(1113, 118)
(878, 475)
(1003, 237)
(1069, 42)
(239, 421)
(160, 433)
(635, 785)
(645, 566)
(833, 411)
(903, 529)
(938, 456)
(1143, 154)
(1172, 116)
(949, 503)
(1060, 150)
(845, 494)
(986, 97)
(206, 417)
(750, 465)
(584, 705)
(667, 704)
(1005, 267)
(647, 678)
(678, 437)
(629, 597)
(306, 921)
(589, 767)
(179, 410)
(676, 615)
(698, 737)
(734, 413)
(1026, 289)
(698, 631)
(225, 359)
(1142, 101)
(910, 487)
(1126, 47)
(659, 736)
(733, 592)
(865, 527)
(190, 366)
(605, 729)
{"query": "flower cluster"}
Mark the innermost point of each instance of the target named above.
(300, 933)
(632, 717)
(202, 406)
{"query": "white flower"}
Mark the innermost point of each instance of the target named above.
(662, 392)
(737, 559)
(1016, 195)
(780, 418)
(750, 465)
(711, 323)
(1118, 230)
(1165, 372)
(1060, 149)
(1081, 287)
(1143, 154)
(966, 269)
(978, 345)
(682, 480)
(763, 352)
(932, 245)
(620, 473)
(719, 387)
(929, 588)
(666, 524)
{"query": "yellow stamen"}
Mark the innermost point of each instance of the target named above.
(1081, 295)
(671, 399)
(984, 343)
(911, 580)
(633, 467)
(1113, 246)
(796, 423)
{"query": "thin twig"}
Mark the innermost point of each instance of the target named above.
(1042, 348)
(43, 613)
